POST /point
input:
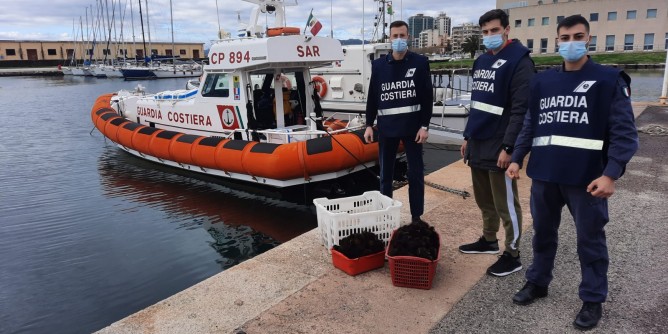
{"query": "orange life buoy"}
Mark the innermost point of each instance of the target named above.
(278, 31)
(320, 85)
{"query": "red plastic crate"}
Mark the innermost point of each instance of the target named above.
(411, 271)
(359, 265)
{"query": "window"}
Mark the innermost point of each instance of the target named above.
(518, 23)
(555, 1)
(665, 47)
(559, 18)
(154, 51)
(530, 45)
(592, 43)
(649, 42)
(168, 52)
(593, 17)
(610, 43)
(651, 13)
(89, 52)
(545, 21)
(51, 52)
(216, 85)
(139, 53)
(628, 42)
(630, 14)
(531, 22)
(106, 52)
(182, 52)
(612, 16)
(11, 52)
(543, 45)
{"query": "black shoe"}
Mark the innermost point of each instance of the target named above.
(481, 246)
(529, 293)
(589, 316)
(505, 265)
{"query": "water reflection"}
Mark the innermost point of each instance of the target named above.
(241, 224)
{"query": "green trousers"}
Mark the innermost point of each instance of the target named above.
(496, 196)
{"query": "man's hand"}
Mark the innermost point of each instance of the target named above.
(462, 150)
(602, 187)
(504, 160)
(368, 135)
(513, 171)
(422, 136)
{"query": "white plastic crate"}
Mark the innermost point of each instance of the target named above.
(371, 211)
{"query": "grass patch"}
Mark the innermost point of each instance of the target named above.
(655, 57)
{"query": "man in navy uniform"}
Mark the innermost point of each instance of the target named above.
(498, 103)
(400, 95)
(581, 133)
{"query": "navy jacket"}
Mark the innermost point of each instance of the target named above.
(579, 126)
(400, 95)
(512, 86)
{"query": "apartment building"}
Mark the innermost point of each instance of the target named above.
(616, 25)
(462, 32)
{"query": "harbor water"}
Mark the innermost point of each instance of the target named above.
(90, 234)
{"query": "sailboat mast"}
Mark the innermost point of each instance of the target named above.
(148, 27)
(171, 17)
(141, 20)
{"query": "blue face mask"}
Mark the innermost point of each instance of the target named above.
(399, 45)
(492, 42)
(572, 51)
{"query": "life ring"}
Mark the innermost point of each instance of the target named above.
(284, 80)
(278, 31)
(320, 85)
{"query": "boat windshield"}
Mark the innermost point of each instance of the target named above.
(216, 85)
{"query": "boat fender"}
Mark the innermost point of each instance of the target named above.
(320, 85)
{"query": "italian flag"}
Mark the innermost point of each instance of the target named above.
(313, 23)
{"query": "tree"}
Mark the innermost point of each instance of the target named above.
(472, 45)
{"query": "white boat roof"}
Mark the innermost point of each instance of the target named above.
(290, 51)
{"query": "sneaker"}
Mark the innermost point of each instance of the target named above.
(529, 293)
(505, 265)
(589, 316)
(481, 246)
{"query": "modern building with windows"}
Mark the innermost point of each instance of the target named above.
(16, 51)
(416, 24)
(616, 25)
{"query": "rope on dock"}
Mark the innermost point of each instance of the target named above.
(654, 130)
(463, 193)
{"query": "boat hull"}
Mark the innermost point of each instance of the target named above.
(276, 165)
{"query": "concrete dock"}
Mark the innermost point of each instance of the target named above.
(295, 289)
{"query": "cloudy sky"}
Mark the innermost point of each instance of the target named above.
(198, 20)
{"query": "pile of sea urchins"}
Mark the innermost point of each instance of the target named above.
(417, 239)
(360, 244)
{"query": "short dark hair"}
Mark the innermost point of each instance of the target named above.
(398, 23)
(493, 15)
(572, 21)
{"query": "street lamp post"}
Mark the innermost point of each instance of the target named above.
(664, 91)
